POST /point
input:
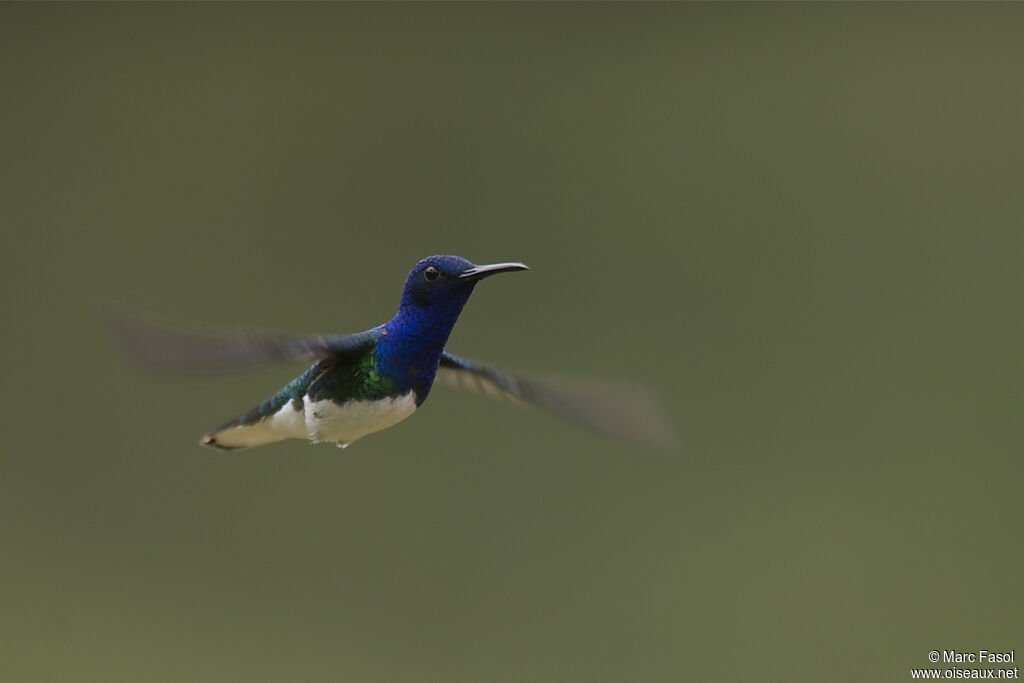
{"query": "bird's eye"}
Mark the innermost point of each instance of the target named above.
(431, 274)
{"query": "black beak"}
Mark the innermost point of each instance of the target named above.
(480, 272)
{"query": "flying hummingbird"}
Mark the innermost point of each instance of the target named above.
(362, 383)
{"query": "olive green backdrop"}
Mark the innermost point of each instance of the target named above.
(800, 224)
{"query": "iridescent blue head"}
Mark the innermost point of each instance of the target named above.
(441, 284)
(435, 292)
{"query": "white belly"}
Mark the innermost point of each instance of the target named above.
(287, 423)
(317, 421)
(328, 421)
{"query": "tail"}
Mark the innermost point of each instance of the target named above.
(235, 436)
(282, 416)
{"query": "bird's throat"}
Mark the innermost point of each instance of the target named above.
(409, 349)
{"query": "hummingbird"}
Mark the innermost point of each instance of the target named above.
(361, 383)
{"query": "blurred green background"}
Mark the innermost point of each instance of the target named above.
(800, 224)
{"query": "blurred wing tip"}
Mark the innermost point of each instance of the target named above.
(157, 343)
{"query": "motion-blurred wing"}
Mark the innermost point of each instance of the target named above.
(622, 411)
(195, 348)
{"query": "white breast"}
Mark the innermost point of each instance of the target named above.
(344, 423)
